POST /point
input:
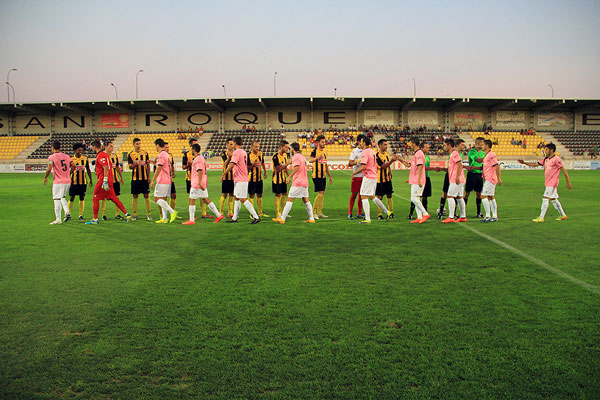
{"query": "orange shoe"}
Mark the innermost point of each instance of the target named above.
(218, 219)
(425, 218)
(229, 215)
(310, 221)
(461, 220)
(190, 222)
(448, 221)
(279, 220)
(415, 221)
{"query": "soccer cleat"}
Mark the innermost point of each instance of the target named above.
(486, 219)
(118, 217)
(448, 221)
(380, 217)
(409, 216)
(229, 215)
(217, 220)
(149, 217)
(67, 218)
(392, 216)
(425, 218)
(255, 221)
(323, 216)
(278, 220)
(480, 215)
(493, 219)
(310, 221)
(389, 216)
(232, 221)
(81, 218)
(207, 216)
(190, 222)
(350, 217)
(361, 215)
(316, 216)
(366, 221)
(263, 215)
(415, 221)
(92, 222)
(161, 221)
(561, 218)
(173, 216)
(104, 218)
(461, 220)
(538, 219)
(56, 222)
(134, 218)
(127, 217)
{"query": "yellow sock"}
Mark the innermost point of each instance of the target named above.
(134, 205)
(104, 208)
(319, 203)
(203, 208)
(259, 204)
(70, 207)
(252, 201)
(81, 206)
(221, 204)
(172, 203)
(277, 209)
(390, 204)
(147, 205)
(230, 204)
(116, 209)
(283, 201)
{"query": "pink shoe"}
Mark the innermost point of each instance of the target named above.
(461, 220)
(189, 223)
(425, 218)
(415, 221)
(218, 219)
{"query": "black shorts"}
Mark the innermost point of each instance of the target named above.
(255, 188)
(446, 183)
(427, 188)
(320, 184)
(117, 188)
(279, 188)
(188, 185)
(140, 187)
(384, 188)
(474, 182)
(227, 187)
(173, 190)
(77, 190)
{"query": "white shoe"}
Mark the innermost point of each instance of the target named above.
(56, 222)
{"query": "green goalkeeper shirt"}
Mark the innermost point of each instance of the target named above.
(473, 155)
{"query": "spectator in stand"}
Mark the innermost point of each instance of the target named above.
(524, 143)
(201, 131)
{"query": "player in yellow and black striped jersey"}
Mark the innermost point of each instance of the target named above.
(186, 162)
(280, 171)
(318, 159)
(227, 183)
(117, 180)
(139, 164)
(384, 176)
(256, 170)
(79, 180)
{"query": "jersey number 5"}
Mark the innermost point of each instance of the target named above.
(63, 165)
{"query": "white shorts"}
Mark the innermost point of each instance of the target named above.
(298, 192)
(455, 190)
(368, 186)
(489, 188)
(240, 190)
(60, 190)
(162, 190)
(198, 194)
(551, 192)
(416, 190)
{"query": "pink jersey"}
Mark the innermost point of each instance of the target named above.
(552, 167)
(61, 167)
(455, 159)
(300, 178)
(367, 158)
(240, 169)
(413, 175)
(199, 165)
(165, 174)
(489, 167)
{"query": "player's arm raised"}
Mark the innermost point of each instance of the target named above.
(530, 164)
(566, 174)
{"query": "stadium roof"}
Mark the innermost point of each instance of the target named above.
(317, 103)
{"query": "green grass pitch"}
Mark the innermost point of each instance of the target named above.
(331, 310)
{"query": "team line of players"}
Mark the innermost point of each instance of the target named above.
(371, 180)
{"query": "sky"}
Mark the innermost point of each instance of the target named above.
(73, 50)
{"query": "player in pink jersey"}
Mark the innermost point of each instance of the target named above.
(417, 180)
(368, 167)
(491, 178)
(163, 178)
(299, 187)
(239, 166)
(553, 165)
(198, 187)
(456, 177)
(61, 166)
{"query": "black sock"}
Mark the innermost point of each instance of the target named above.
(424, 202)
(478, 201)
(466, 201)
(412, 208)
(442, 202)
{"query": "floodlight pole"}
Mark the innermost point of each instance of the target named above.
(275, 84)
(414, 88)
(551, 88)
(8, 85)
(116, 93)
(224, 92)
(137, 74)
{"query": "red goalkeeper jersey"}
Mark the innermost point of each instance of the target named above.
(103, 160)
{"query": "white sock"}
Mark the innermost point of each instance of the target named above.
(451, 207)
(463, 208)
(494, 208)
(193, 213)
(236, 209)
(65, 205)
(367, 209)
(250, 209)
(165, 206)
(214, 209)
(379, 204)
(545, 204)
(558, 207)
(286, 210)
(57, 209)
(309, 211)
(419, 207)
(486, 206)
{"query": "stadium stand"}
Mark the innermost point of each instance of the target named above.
(11, 146)
(176, 142)
(398, 141)
(513, 143)
(269, 141)
(339, 143)
(578, 142)
(67, 140)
